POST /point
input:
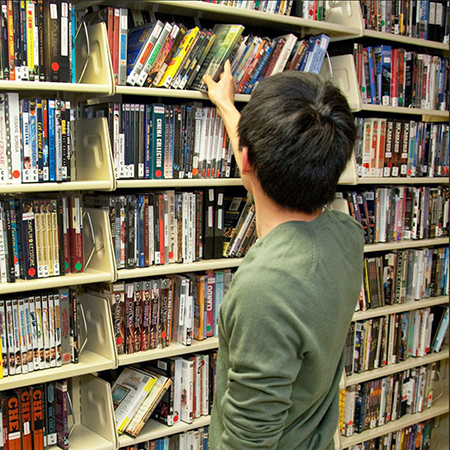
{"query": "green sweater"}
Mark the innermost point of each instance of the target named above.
(282, 331)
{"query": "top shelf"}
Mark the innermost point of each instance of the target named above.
(406, 40)
(347, 28)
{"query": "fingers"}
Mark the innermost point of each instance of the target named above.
(207, 79)
(227, 67)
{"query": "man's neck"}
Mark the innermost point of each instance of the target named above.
(269, 215)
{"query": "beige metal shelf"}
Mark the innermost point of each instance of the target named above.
(440, 407)
(177, 183)
(171, 93)
(82, 438)
(155, 430)
(170, 351)
(396, 368)
(71, 279)
(55, 187)
(170, 269)
(406, 40)
(47, 87)
(435, 114)
(370, 248)
(405, 180)
(398, 308)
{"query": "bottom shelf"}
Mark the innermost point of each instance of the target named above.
(82, 438)
(439, 408)
(156, 430)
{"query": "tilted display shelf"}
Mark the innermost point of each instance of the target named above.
(94, 168)
(439, 408)
(98, 354)
(403, 180)
(188, 94)
(92, 59)
(171, 269)
(398, 308)
(211, 343)
(156, 430)
(396, 368)
(370, 248)
(99, 269)
(93, 415)
(406, 40)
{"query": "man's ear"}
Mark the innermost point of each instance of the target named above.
(246, 167)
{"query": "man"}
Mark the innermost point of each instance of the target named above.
(284, 320)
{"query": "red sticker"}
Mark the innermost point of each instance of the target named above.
(15, 260)
(158, 174)
(16, 174)
(32, 272)
(55, 66)
(171, 255)
(194, 172)
(66, 357)
(163, 335)
(119, 340)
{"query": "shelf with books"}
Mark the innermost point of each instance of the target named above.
(398, 308)
(399, 367)
(211, 343)
(435, 114)
(344, 19)
(403, 180)
(179, 183)
(170, 269)
(155, 430)
(97, 352)
(93, 169)
(439, 408)
(406, 40)
(370, 248)
(100, 267)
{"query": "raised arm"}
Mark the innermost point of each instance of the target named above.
(222, 95)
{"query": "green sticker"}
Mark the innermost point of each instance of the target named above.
(78, 266)
(66, 265)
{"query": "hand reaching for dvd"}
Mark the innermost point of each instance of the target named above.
(221, 93)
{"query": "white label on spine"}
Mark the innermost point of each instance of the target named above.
(210, 216)
(182, 304)
(53, 11)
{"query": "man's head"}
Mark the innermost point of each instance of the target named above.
(300, 133)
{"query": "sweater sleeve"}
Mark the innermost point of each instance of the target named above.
(265, 354)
